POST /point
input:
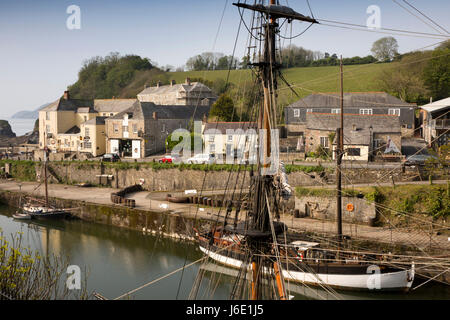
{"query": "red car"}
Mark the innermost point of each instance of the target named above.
(168, 159)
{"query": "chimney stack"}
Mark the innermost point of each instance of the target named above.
(66, 95)
(155, 116)
(188, 81)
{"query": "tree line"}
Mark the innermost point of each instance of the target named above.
(291, 57)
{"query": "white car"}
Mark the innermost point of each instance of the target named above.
(202, 158)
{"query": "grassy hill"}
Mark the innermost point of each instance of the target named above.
(357, 78)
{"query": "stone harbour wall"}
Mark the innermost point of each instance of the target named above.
(324, 208)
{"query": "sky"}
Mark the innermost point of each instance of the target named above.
(40, 56)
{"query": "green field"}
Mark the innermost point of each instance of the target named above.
(357, 78)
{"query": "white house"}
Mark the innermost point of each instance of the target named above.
(230, 139)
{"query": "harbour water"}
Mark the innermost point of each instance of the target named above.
(119, 260)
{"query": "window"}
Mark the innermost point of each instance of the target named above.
(47, 128)
(212, 148)
(135, 129)
(354, 152)
(88, 145)
(211, 138)
(365, 111)
(309, 110)
(86, 132)
(377, 143)
(116, 128)
(335, 110)
(324, 142)
(230, 138)
(125, 128)
(47, 116)
(85, 118)
(296, 113)
(111, 114)
(394, 112)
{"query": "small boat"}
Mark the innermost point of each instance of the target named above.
(45, 212)
(21, 216)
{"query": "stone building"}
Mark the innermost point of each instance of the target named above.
(364, 103)
(364, 135)
(184, 94)
(142, 129)
(63, 123)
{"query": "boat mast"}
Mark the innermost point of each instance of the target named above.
(45, 172)
(339, 155)
(260, 229)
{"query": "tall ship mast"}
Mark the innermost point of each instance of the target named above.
(250, 242)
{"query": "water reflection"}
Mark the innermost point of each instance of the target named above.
(119, 260)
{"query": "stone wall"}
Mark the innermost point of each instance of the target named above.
(120, 175)
(165, 179)
(325, 208)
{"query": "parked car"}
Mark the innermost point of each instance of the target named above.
(110, 157)
(202, 158)
(169, 159)
(418, 159)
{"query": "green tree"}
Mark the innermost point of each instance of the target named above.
(405, 81)
(223, 108)
(437, 73)
(385, 49)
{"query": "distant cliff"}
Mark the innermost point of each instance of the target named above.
(5, 129)
(29, 114)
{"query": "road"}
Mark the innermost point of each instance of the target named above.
(155, 201)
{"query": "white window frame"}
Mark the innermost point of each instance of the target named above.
(228, 138)
(326, 140)
(309, 110)
(116, 128)
(366, 111)
(296, 113)
(134, 127)
(394, 112)
(211, 138)
(335, 110)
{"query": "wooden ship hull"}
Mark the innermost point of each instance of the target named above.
(343, 276)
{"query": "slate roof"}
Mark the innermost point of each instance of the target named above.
(68, 105)
(166, 89)
(224, 126)
(113, 105)
(96, 121)
(351, 99)
(85, 110)
(73, 130)
(331, 121)
(144, 110)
